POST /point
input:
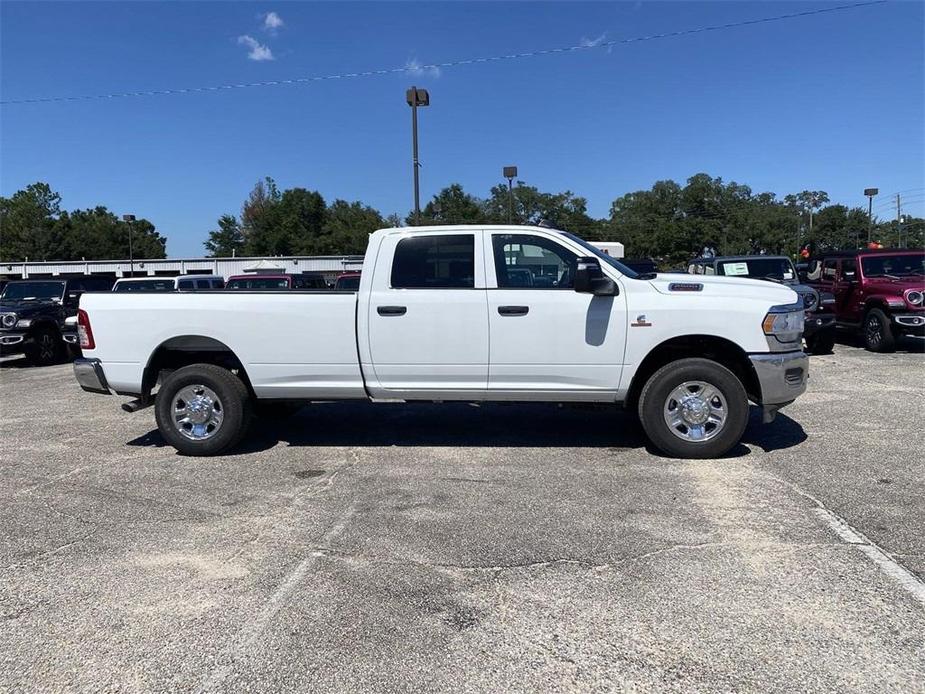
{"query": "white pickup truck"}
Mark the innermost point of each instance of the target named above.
(487, 313)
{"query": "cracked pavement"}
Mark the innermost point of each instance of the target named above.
(356, 547)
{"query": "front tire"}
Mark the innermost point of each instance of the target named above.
(202, 409)
(45, 349)
(878, 332)
(821, 342)
(694, 408)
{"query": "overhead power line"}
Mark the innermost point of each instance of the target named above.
(448, 64)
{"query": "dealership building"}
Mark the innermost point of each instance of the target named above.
(328, 265)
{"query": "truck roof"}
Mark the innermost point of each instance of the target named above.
(513, 228)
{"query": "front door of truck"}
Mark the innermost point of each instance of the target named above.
(545, 336)
(427, 318)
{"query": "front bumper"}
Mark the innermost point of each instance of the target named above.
(12, 343)
(90, 376)
(782, 378)
(817, 322)
(910, 323)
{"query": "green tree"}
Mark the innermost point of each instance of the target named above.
(452, 205)
(27, 223)
(227, 240)
(347, 227)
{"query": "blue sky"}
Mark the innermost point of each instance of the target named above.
(831, 102)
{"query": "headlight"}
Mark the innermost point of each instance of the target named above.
(784, 323)
(914, 297)
(8, 320)
(810, 301)
(23, 322)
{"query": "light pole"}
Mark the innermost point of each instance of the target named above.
(510, 173)
(870, 193)
(130, 220)
(416, 97)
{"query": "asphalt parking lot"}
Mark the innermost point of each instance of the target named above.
(459, 548)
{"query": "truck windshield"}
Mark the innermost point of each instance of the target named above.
(613, 262)
(905, 265)
(778, 269)
(33, 291)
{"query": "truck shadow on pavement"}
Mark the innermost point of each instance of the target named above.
(487, 425)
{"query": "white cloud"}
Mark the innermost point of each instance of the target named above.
(272, 21)
(414, 67)
(257, 50)
(591, 43)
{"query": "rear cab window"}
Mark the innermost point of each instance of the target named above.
(434, 261)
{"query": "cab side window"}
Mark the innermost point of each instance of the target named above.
(849, 269)
(524, 261)
(186, 284)
(434, 262)
(829, 269)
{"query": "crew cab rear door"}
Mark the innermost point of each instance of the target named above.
(426, 316)
(545, 336)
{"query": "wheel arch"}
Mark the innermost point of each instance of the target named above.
(712, 347)
(184, 350)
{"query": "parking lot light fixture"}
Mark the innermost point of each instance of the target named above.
(416, 97)
(510, 173)
(870, 193)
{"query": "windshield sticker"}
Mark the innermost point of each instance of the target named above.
(735, 268)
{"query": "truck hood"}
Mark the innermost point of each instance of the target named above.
(885, 285)
(24, 309)
(733, 287)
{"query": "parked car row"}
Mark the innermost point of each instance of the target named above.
(875, 294)
(38, 317)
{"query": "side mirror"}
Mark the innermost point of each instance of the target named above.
(803, 276)
(73, 298)
(590, 279)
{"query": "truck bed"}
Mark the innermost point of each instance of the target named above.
(293, 340)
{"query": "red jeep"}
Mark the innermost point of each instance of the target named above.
(878, 294)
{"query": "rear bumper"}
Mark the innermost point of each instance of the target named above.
(90, 376)
(782, 378)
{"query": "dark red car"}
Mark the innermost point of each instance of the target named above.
(348, 281)
(878, 294)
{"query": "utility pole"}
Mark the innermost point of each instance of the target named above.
(899, 220)
(130, 220)
(416, 97)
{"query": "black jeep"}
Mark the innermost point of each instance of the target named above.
(819, 328)
(34, 313)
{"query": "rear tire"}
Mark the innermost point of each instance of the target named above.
(686, 391)
(203, 409)
(821, 342)
(878, 332)
(45, 349)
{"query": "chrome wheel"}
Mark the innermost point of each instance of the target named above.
(695, 411)
(197, 412)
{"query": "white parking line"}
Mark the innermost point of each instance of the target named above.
(911, 583)
(249, 635)
(908, 580)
